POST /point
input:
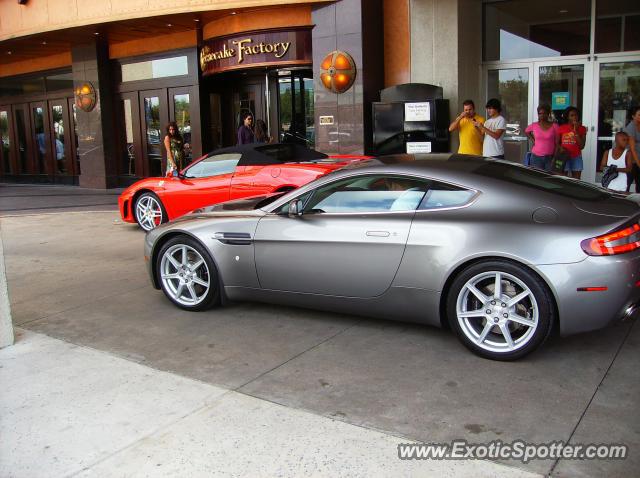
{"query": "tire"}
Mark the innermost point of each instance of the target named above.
(149, 211)
(189, 282)
(486, 325)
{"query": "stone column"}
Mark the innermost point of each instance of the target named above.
(96, 128)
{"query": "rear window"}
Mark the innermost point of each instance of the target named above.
(540, 180)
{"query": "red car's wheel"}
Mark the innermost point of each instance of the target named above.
(149, 211)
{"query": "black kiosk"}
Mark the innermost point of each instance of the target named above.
(411, 118)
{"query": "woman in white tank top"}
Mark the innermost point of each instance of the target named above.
(619, 157)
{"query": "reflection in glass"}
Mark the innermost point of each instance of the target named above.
(161, 68)
(511, 87)
(21, 130)
(41, 140)
(617, 25)
(562, 79)
(58, 134)
(128, 155)
(183, 119)
(619, 90)
(309, 112)
(153, 135)
(518, 29)
(6, 142)
(295, 97)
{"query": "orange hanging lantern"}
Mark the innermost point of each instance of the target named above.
(85, 97)
(338, 71)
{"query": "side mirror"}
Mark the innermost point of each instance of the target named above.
(295, 207)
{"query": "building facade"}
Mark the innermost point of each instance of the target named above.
(87, 88)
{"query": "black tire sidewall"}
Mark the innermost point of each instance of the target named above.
(163, 219)
(213, 295)
(541, 293)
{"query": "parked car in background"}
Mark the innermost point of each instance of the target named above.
(224, 174)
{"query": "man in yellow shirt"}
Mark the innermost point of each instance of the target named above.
(470, 135)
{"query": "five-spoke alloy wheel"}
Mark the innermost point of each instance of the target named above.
(149, 211)
(500, 310)
(187, 274)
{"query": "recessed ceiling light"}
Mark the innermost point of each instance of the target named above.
(44, 42)
(9, 52)
(233, 13)
(196, 19)
(96, 33)
(563, 11)
(169, 24)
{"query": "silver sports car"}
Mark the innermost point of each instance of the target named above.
(502, 254)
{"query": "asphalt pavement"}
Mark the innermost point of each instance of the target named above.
(80, 278)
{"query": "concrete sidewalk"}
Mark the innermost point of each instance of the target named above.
(67, 410)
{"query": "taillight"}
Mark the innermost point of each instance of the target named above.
(623, 240)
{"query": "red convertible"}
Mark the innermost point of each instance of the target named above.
(225, 174)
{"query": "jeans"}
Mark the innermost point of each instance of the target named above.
(574, 164)
(541, 162)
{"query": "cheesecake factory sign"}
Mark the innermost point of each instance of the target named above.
(269, 48)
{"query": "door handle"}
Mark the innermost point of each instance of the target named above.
(378, 233)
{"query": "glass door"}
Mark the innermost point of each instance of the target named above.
(21, 139)
(61, 138)
(42, 142)
(181, 103)
(561, 84)
(617, 81)
(130, 164)
(512, 86)
(6, 166)
(154, 116)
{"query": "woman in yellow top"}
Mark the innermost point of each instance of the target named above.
(470, 134)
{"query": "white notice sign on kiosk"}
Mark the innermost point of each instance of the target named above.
(417, 111)
(418, 147)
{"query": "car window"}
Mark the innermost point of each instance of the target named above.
(215, 165)
(442, 195)
(371, 193)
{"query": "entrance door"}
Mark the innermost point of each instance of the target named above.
(561, 84)
(617, 81)
(22, 135)
(181, 109)
(60, 139)
(513, 88)
(41, 139)
(6, 163)
(154, 115)
(247, 98)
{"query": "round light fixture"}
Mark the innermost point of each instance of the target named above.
(338, 71)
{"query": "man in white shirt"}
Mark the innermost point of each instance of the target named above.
(493, 130)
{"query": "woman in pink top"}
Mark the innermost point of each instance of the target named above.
(544, 135)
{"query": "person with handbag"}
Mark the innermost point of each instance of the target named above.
(573, 136)
(617, 160)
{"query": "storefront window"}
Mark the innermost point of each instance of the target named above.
(561, 87)
(6, 144)
(617, 26)
(183, 119)
(511, 87)
(519, 29)
(152, 69)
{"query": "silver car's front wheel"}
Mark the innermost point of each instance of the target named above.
(500, 310)
(187, 274)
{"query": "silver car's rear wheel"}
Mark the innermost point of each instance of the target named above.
(187, 274)
(149, 211)
(497, 311)
(500, 310)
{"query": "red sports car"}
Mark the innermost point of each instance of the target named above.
(225, 174)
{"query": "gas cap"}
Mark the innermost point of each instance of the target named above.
(545, 215)
(275, 172)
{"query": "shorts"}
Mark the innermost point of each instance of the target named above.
(574, 164)
(541, 162)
